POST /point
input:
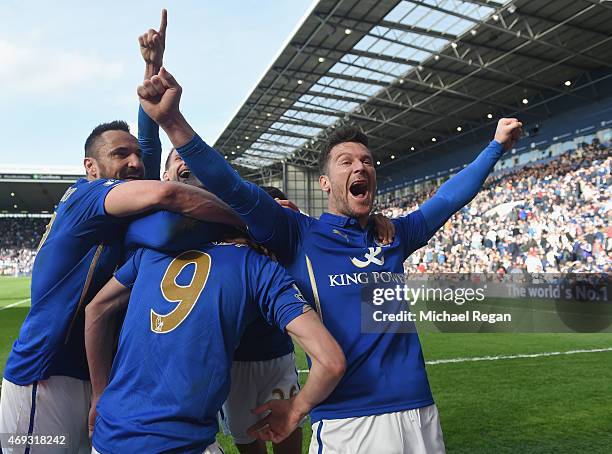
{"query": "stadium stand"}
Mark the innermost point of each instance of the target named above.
(28, 195)
(549, 216)
(20, 238)
(426, 80)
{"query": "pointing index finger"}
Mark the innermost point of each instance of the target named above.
(164, 22)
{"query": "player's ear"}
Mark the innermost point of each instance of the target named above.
(165, 176)
(91, 167)
(324, 183)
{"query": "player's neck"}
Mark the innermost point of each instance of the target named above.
(362, 220)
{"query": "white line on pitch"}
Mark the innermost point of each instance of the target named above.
(500, 357)
(521, 355)
(14, 304)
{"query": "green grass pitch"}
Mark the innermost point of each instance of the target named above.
(545, 404)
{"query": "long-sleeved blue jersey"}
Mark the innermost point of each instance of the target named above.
(329, 258)
(186, 315)
(77, 256)
(261, 341)
(150, 145)
(81, 248)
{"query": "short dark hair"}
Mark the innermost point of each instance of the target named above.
(275, 193)
(91, 144)
(341, 135)
(168, 158)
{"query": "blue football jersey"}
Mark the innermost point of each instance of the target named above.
(186, 315)
(334, 259)
(263, 342)
(331, 258)
(171, 232)
(78, 254)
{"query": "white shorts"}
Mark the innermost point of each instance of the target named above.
(406, 432)
(253, 384)
(58, 406)
(215, 448)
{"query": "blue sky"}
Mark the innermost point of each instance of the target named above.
(66, 66)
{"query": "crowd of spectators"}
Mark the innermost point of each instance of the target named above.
(552, 217)
(18, 244)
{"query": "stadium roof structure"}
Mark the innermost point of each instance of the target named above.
(414, 74)
(34, 189)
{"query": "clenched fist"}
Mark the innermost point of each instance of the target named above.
(508, 131)
(160, 97)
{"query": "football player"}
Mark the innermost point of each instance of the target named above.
(186, 315)
(46, 388)
(383, 403)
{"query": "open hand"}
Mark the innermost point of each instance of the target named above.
(384, 228)
(280, 422)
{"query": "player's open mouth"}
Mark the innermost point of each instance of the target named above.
(359, 189)
(184, 173)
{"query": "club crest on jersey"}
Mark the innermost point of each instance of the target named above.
(370, 257)
(159, 324)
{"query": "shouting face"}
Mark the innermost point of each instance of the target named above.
(177, 170)
(350, 181)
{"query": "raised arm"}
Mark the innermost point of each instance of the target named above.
(150, 145)
(268, 222)
(459, 190)
(419, 226)
(152, 45)
(136, 197)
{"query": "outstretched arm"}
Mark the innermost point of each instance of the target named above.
(268, 222)
(171, 232)
(463, 187)
(152, 46)
(136, 197)
(419, 226)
